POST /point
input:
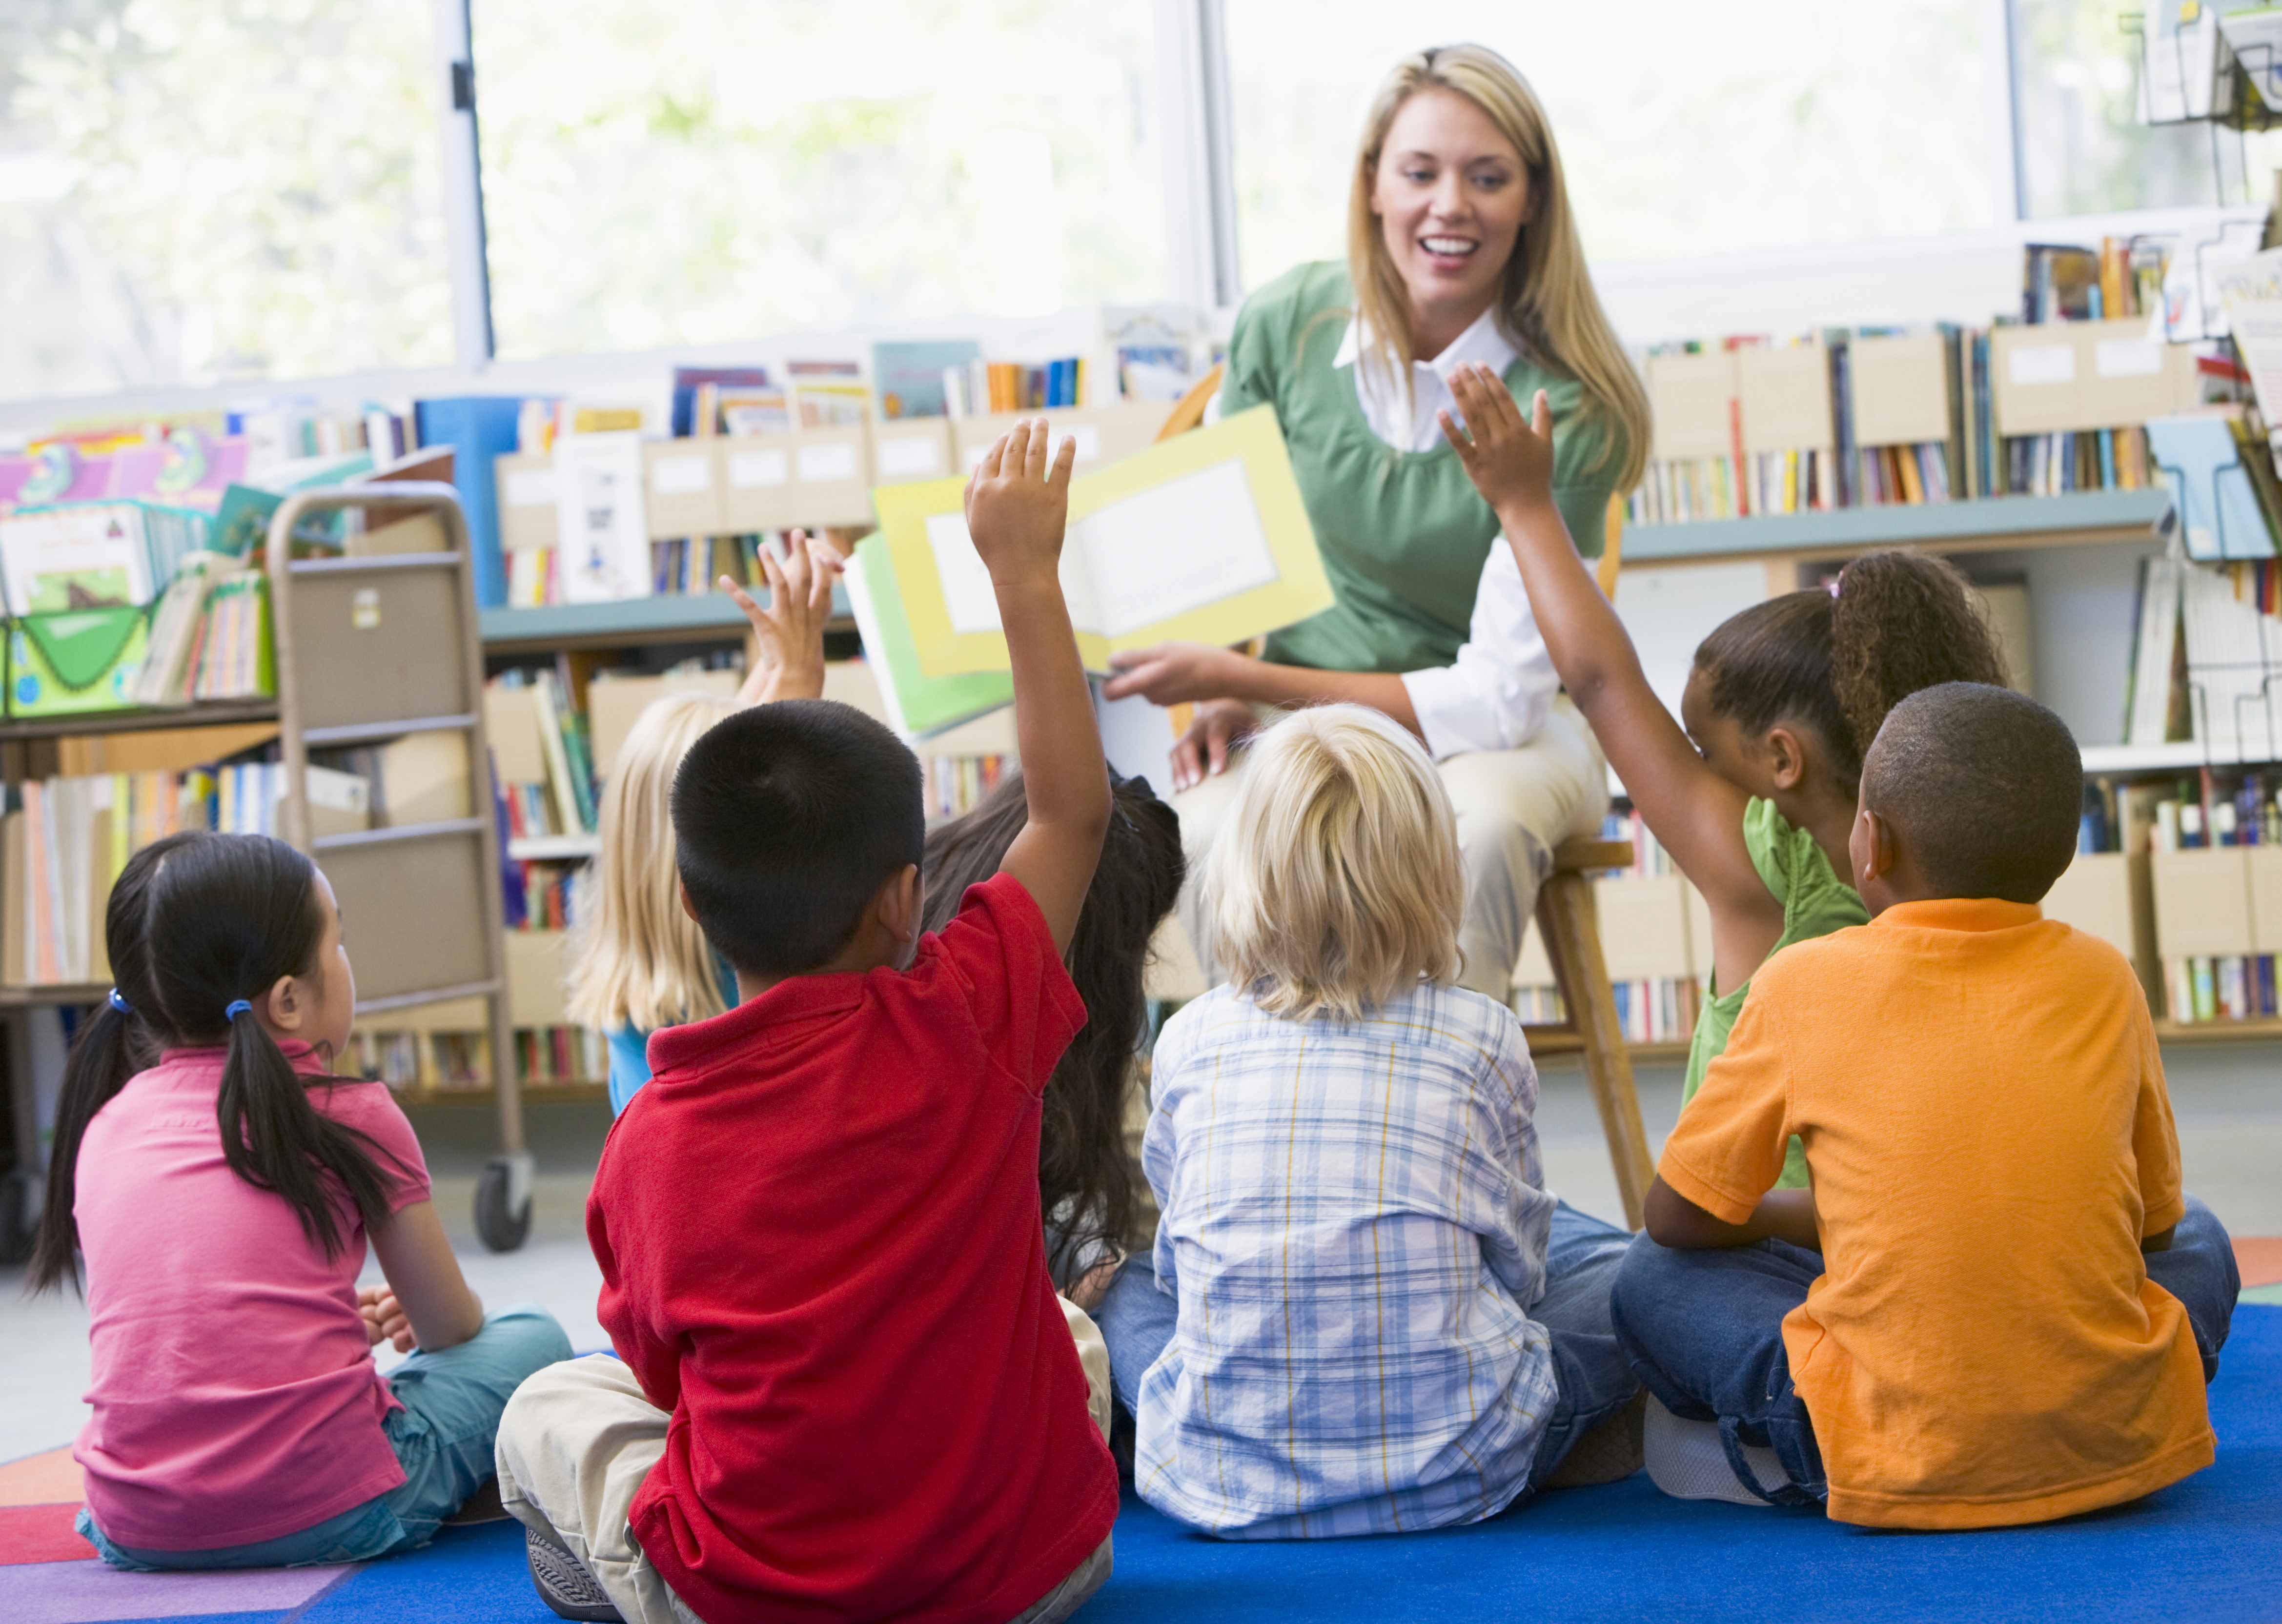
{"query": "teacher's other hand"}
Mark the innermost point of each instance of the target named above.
(1509, 458)
(1173, 674)
(1218, 727)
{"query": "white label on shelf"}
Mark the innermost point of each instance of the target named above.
(908, 456)
(828, 462)
(531, 487)
(2127, 358)
(681, 476)
(2044, 364)
(751, 468)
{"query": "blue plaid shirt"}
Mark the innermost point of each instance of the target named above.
(1354, 1224)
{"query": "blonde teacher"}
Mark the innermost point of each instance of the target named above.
(1461, 248)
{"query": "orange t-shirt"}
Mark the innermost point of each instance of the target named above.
(1983, 1112)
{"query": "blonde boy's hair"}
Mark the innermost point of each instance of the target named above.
(1548, 302)
(1334, 884)
(637, 957)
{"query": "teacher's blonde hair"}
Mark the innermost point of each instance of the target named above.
(1548, 302)
(1334, 884)
(636, 956)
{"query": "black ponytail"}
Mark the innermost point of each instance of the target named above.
(110, 1047)
(229, 916)
(200, 927)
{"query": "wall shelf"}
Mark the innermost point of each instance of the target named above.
(711, 617)
(2077, 519)
(211, 714)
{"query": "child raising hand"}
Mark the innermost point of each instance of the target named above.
(1754, 800)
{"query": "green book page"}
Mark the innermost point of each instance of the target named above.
(918, 704)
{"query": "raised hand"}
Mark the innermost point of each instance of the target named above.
(789, 631)
(1018, 506)
(1509, 461)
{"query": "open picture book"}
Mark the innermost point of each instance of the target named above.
(1202, 537)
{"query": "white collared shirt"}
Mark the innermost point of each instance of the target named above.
(1496, 693)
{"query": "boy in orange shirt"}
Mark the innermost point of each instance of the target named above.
(1995, 1305)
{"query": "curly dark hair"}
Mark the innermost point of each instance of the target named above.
(1838, 661)
(1085, 1178)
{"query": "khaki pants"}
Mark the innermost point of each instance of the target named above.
(579, 1437)
(1513, 807)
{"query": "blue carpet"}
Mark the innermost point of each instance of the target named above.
(2209, 1550)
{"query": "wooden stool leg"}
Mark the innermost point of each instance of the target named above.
(1572, 940)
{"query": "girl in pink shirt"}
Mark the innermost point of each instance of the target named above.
(205, 1153)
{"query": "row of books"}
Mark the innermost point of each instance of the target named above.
(419, 1062)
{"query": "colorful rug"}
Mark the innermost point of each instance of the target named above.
(2202, 1550)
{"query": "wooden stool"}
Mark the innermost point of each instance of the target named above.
(1571, 935)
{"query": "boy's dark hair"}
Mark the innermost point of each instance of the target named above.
(1985, 786)
(1085, 1178)
(196, 922)
(789, 818)
(1837, 662)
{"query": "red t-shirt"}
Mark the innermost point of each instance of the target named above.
(818, 1233)
(235, 1397)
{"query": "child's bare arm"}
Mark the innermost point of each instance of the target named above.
(1674, 1221)
(425, 1279)
(1017, 509)
(1695, 813)
(788, 634)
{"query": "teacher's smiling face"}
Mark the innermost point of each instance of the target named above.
(1451, 195)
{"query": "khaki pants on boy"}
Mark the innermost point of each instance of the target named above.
(1513, 807)
(579, 1437)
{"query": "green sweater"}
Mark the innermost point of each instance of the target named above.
(1404, 534)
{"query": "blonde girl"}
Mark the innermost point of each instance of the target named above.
(641, 962)
(1340, 1141)
(1461, 249)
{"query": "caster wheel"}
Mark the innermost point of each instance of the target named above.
(503, 1203)
(20, 1222)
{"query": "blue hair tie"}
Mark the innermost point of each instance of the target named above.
(237, 1006)
(121, 1004)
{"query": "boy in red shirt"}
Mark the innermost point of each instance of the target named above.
(849, 1391)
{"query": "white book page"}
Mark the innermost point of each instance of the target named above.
(1172, 549)
(967, 595)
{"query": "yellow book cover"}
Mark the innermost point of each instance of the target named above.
(1201, 537)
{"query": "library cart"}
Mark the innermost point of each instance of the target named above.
(374, 645)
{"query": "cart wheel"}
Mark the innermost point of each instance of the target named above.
(18, 1223)
(501, 1220)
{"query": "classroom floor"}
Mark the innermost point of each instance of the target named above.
(2227, 1098)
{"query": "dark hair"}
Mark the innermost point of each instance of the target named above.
(1838, 661)
(788, 819)
(198, 923)
(1085, 1178)
(1984, 788)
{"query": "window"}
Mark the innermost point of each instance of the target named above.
(192, 193)
(2077, 70)
(1684, 129)
(659, 174)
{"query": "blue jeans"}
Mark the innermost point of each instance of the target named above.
(1704, 1329)
(1591, 1379)
(453, 1399)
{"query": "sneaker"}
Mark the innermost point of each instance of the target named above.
(1687, 1460)
(564, 1584)
(1608, 1454)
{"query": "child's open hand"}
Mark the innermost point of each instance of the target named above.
(1018, 507)
(790, 631)
(1510, 462)
(383, 1320)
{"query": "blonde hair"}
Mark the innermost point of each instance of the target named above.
(1334, 884)
(637, 957)
(1548, 302)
